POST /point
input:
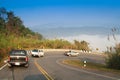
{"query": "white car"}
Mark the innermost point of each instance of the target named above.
(37, 52)
(71, 53)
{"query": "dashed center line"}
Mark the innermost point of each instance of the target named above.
(43, 71)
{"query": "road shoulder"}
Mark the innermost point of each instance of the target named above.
(110, 75)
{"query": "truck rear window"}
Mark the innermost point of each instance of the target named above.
(18, 52)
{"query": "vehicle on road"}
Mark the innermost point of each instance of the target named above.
(18, 58)
(37, 52)
(71, 53)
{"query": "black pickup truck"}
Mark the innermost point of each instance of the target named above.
(18, 58)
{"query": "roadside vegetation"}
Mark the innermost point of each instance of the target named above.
(113, 59)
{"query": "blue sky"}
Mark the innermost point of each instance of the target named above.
(65, 13)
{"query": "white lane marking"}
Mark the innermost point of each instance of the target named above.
(3, 67)
(88, 72)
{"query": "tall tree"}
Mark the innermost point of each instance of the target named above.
(3, 16)
(10, 18)
(3, 13)
(84, 45)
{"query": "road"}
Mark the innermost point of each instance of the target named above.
(50, 67)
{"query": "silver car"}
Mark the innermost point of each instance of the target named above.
(71, 53)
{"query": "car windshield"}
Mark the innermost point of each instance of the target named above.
(18, 52)
(34, 50)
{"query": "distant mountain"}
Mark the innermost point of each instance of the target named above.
(54, 32)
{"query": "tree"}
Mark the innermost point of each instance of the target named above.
(17, 21)
(3, 15)
(83, 45)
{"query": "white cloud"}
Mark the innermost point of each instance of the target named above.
(96, 41)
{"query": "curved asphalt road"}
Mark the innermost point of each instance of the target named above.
(51, 64)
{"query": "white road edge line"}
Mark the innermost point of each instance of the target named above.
(88, 72)
(3, 66)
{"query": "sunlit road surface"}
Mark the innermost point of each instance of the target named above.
(50, 67)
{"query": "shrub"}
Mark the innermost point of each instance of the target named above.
(113, 61)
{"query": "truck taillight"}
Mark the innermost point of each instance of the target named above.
(26, 58)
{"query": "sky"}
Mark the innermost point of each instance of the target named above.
(65, 13)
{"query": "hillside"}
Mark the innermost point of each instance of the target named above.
(11, 24)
